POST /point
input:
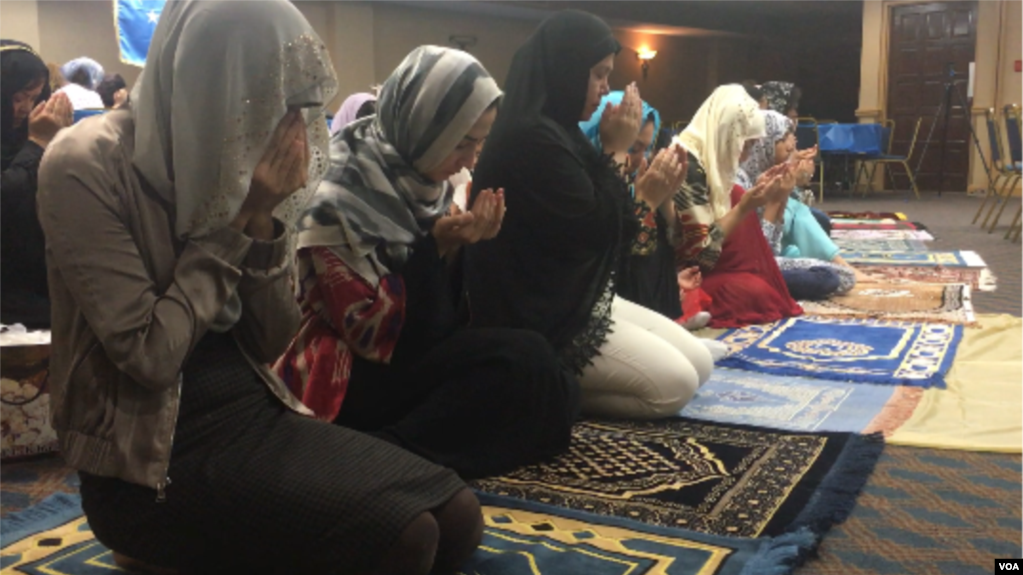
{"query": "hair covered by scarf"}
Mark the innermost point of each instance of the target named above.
(374, 201)
(716, 136)
(349, 110)
(92, 70)
(761, 157)
(779, 96)
(591, 127)
(201, 157)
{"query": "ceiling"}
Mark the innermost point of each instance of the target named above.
(754, 17)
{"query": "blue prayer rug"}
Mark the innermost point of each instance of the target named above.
(523, 537)
(856, 350)
(789, 403)
(882, 245)
(520, 538)
(950, 259)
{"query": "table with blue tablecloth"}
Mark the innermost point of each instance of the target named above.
(845, 140)
(850, 138)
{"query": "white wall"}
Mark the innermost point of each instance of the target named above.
(368, 40)
(400, 29)
(19, 20)
(69, 29)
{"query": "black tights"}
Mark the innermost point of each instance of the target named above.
(437, 541)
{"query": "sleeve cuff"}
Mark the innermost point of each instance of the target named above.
(266, 255)
(30, 154)
(227, 245)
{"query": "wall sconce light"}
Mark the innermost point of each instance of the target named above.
(463, 42)
(644, 55)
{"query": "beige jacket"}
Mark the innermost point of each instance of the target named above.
(130, 301)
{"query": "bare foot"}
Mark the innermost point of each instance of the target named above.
(136, 566)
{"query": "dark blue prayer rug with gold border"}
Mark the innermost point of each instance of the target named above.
(859, 350)
(672, 497)
(523, 537)
(714, 478)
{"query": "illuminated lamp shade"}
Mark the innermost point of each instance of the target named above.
(645, 55)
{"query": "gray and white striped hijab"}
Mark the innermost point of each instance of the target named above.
(374, 202)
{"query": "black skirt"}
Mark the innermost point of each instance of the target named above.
(481, 402)
(257, 488)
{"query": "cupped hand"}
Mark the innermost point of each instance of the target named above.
(664, 176)
(620, 124)
(48, 118)
(690, 278)
(281, 171)
(481, 222)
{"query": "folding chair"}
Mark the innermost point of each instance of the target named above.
(1016, 155)
(1014, 167)
(886, 150)
(885, 159)
(997, 164)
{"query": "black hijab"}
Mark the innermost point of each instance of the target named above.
(550, 269)
(20, 67)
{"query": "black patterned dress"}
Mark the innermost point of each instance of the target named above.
(257, 488)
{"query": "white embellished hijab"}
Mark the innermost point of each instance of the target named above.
(716, 136)
(218, 78)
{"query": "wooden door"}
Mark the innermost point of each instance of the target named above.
(924, 39)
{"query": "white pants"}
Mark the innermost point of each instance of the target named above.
(649, 367)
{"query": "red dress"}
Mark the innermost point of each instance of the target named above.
(744, 283)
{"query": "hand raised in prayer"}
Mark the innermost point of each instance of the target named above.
(804, 172)
(770, 173)
(120, 97)
(492, 223)
(760, 195)
(620, 124)
(807, 154)
(48, 118)
(282, 171)
(690, 278)
(786, 183)
(664, 176)
(481, 222)
(644, 165)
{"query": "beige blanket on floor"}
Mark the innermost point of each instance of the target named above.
(982, 407)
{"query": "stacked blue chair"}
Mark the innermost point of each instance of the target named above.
(1003, 169)
(1010, 167)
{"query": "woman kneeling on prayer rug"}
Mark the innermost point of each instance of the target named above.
(386, 346)
(167, 229)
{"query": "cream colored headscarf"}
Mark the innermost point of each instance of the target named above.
(716, 136)
(219, 77)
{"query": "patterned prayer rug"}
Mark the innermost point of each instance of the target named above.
(857, 350)
(520, 538)
(878, 225)
(934, 303)
(949, 259)
(523, 537)
(801, 404)
(709, 477)
(838, 214)
(980, 279)
(882, 245)
(882, 235)
(865, 223)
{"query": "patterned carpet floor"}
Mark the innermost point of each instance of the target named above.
(923, 510)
